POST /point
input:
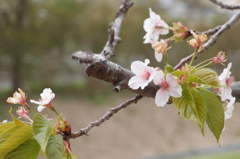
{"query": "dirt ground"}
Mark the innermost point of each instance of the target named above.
(141, 130)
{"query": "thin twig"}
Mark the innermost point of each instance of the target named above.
(114, 30)
(226, 6)
(210, 31)
(212, 39)
(105, 117)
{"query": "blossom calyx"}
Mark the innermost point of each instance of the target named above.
(63, 126)
(180, 32)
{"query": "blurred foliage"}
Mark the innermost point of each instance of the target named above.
(37, 38)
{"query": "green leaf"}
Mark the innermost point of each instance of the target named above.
(29, 149)
(13, 137)
(42, 129)
(178, 73)
(201, 108)
(215, 113)
(191, 106)
(55, 147)
(5, 126)
(183, 106)
(68, 155)
(205, 76)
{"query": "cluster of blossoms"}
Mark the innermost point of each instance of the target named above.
(20, 98)
(145, 74)
(169, 84)
(47, 96)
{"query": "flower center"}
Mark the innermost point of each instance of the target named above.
(230, 81)
(164, 85)
(146, 75)
(158, 24)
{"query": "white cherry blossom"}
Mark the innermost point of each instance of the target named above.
(47, 95)
(143, 74)
(154, 26)
(4, 121)
(228, 111)
(226, 81)
(168, 87)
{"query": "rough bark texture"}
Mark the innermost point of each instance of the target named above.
(117, 75)
(111, 72)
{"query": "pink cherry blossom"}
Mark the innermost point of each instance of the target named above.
(22, 112)
(144, 74)
(168, 87)
(226, 81)
(154, 26)
(47, 95)
(18, 98)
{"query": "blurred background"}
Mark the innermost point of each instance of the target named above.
(37, 38)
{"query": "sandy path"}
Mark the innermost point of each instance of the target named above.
(142, 130)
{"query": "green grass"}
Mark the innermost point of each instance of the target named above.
(226, 155)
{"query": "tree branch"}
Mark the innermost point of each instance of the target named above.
(114, 30)
(105, 117)
(111, 72)
(226, 6)
(212, 39)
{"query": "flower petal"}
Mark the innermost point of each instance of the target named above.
(137, 81)
(158, 77)
(35, 102)
(40, 108)
(172, 81)
(158, 56)
(225, 93)
(138, 67)
(175, 91)
(161, 97)
(230, 108)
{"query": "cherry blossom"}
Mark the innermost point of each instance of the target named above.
(144, 74)
(180, 31)
(22, 112)
(228, 111)
(160, 49)
(47, 95)
(18, 98)
(4, 121)
(154, 26)
(220, 58)
(168, 87)
(226, 81)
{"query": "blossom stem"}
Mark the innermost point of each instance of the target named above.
(194, 55)
(201, 63)
(204, 65)
(166, 57)
(54, 110)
